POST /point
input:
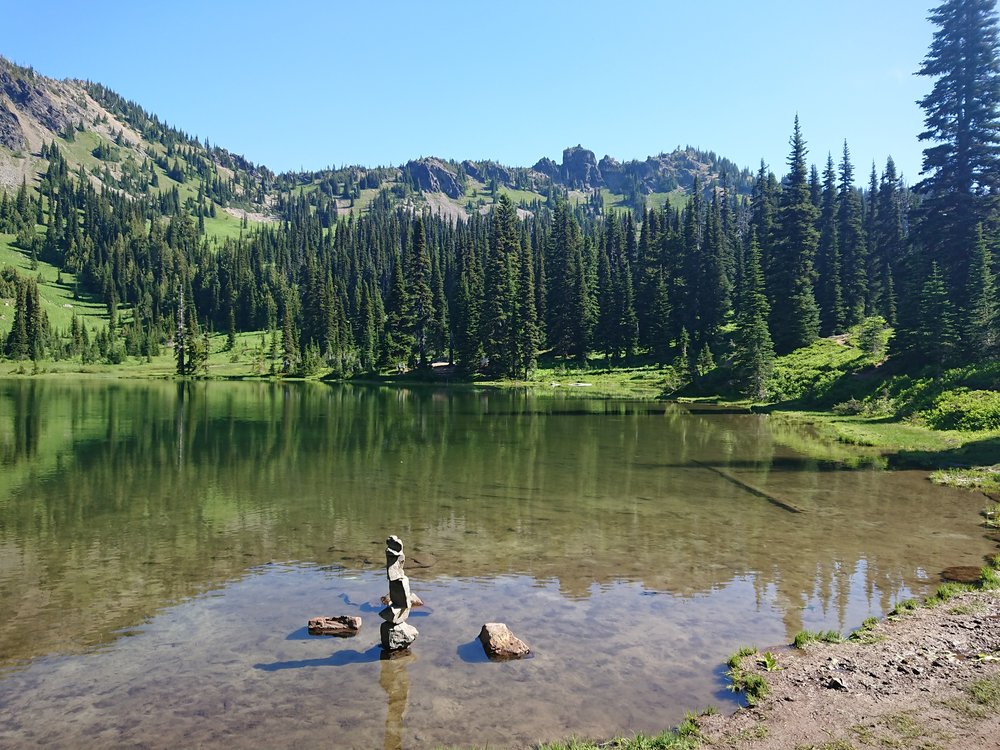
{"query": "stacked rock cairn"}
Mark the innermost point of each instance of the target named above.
(397, 634)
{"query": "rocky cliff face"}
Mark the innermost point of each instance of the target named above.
(434, 176)
(579, 169)
(33, 100)
(11, 135)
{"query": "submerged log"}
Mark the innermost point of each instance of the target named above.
(750, 488)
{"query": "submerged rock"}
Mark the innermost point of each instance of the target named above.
(343, 626)
(500, 643)
(961, 574)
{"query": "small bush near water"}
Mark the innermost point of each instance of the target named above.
(965, 410)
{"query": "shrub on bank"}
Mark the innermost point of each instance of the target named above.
(965, 410)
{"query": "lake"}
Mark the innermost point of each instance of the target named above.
(162, 546)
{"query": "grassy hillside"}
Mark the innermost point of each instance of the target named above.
(57, 297)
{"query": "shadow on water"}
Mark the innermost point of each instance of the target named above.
(300, 634)
(975, 453)
(472, 652)
(336, 659)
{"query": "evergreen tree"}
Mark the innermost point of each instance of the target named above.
(794, 313)
(980, 335)
(525, 316)
(962, 119)
(419, 304)
(853, 253)
(398, 342)
(569, 304)
(889, 242)
(658, 326)
(753, 359)
(498, 334)
(938, 335)
(828, 285)
(18, 341)
(468, 305)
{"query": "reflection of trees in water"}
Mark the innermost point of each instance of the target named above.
(158, 496)
(21, 401)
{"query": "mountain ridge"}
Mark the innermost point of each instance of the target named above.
(124, 147)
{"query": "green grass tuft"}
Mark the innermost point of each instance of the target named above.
(804, 637)
(986, 692)
(736, 659)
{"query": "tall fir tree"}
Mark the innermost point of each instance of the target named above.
(851, 234)
(753, 358)
(794, 313)
(498, 334)
(962, 120)
(938, 333)
(829, 294)
(979, 334)
(419, 305)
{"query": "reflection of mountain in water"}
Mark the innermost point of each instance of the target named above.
(116, 499)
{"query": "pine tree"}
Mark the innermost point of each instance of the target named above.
(658, 326)
(398, 343)
(291, 359)
(497, 324)
(828, 285)
(18, 341)
(938, 335)
(962, 117)
(794, 313)
(419, 305)
(753, 359)
(979, 333)
(569, 306)
(853, 253)
(889, 244)
(525, 316)
(468, 306)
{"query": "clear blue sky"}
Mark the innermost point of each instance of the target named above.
(318, 83)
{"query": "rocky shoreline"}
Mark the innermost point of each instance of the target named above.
(927, 678)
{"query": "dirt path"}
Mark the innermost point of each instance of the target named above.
(929, 678)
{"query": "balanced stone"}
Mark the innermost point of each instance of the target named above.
(397, 637)
(395, 615)
(397, 634)
(415, 601)
(399, 592)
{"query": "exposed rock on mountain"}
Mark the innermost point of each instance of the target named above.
(36, 111)
(579, 169)
(434, 176)
(489, 170)
(11, 135)
(34, 100)
(549, 168)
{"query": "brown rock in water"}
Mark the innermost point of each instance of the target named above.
(342, 626)
(961, 574)
(500, 643)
